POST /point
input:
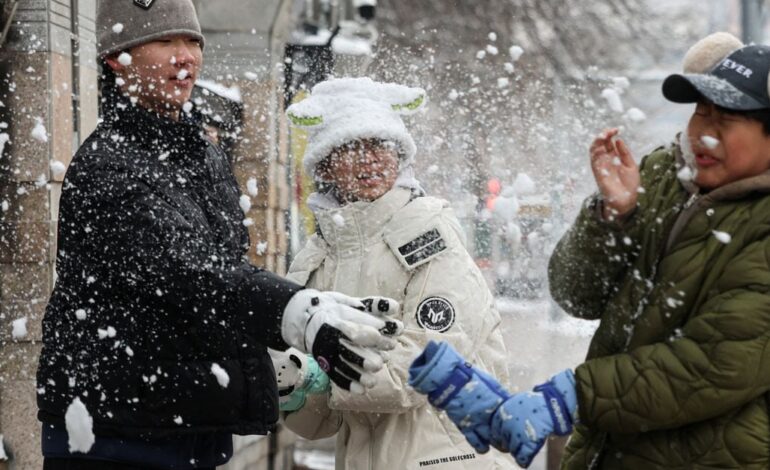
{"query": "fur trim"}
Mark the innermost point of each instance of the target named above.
(709, 51)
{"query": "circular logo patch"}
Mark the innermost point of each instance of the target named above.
(436, 314)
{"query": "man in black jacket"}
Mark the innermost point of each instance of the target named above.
(157, 328)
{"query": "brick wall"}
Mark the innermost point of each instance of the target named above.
(37, 81)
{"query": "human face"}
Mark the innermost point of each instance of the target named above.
(741, 149)
(161, 74)
(363, 170)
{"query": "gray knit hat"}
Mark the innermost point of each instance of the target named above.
(123, 24)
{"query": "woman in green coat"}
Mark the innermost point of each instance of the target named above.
(673, 258)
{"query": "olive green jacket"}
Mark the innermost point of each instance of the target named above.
(678, 371)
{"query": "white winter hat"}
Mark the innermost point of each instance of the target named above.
(344, 110)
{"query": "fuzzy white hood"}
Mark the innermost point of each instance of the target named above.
(343, 110)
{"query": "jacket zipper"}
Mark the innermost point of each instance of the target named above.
(371, 446)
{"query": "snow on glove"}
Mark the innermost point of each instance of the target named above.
(382, 306)
(469, 395)
(523, 423)
(298, 375)
(344, 340)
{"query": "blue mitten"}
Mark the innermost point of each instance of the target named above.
(469, 395)
(523, 423)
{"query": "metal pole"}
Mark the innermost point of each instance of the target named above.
(751, 21)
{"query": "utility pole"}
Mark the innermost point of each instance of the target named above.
(752, 21)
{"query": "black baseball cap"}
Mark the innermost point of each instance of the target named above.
(738, 82)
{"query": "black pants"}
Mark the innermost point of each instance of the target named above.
(85, 464)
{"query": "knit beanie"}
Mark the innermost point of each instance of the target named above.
(123, 24)
(344, 110)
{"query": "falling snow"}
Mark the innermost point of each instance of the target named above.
(19, 330)
(252, 188)
(125, 59)
(39, 132)
(79, 426)
(220, 374)
(723, 237)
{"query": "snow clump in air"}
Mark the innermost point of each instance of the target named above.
(507, 204)
(125, 59)
(252, 188)
(79, 427)
(4, 138)
(339, 220)
(723, 237)
(38, 132)
(19, 330)
(524, 185)
(110, 332)
(686, 173)
(635, 115)
(58, 168)
(613, 99)
(261, 248)
(245, 203)
(117, 28)
(220, 374)
(621, 84)
(515, 52)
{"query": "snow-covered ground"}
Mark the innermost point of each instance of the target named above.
(541, 339)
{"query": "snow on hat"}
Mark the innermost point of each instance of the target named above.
(123, 24)
(725, 72)
(344, 110)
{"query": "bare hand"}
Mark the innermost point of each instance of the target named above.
(616, 173)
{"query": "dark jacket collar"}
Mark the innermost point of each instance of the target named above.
(124, 120)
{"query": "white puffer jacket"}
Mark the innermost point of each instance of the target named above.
(409, 249)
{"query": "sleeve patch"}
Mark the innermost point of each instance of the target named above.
(426, 252)
(422, 248)
(435, 314)
(420, 242)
